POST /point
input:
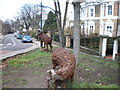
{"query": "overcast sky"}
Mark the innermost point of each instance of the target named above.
(9, 8)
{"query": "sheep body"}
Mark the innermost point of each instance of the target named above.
(63, 63)
(46, 39)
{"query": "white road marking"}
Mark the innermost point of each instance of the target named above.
(13, 42)
(1, 44)
(9, 44)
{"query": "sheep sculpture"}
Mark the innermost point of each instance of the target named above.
(44, 38)
(63, 68)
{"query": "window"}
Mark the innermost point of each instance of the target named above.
(109, 9)
(91, 29)
(91, 11)
(109, 29)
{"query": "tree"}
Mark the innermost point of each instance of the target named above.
(29, 16)
(6, 27)
(50, 23)
(61, 26)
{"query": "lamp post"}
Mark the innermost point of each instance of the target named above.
(41, 16)
(76, 43)
(42, 6)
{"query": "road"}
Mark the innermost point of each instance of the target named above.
(9, 43)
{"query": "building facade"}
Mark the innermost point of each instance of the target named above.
(1, 26)
(100, 18)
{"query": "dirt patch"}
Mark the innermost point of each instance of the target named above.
(25, 77)
(92, 71)
(88, 70)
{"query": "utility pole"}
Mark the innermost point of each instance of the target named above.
(76, 43)
(41, 16)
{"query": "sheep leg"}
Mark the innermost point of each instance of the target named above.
(41, 44)
(47, 47)
(72, 77)
(44, 45)
(51, 47)
(48, 81)
(64, 84)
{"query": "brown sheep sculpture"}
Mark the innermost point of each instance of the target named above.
(44, 38)
(63, 67)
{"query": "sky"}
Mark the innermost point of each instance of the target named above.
(9, 8)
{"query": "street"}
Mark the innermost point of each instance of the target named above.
(9, 43)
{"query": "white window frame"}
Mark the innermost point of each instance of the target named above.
(109, 32)
(112, 4)
(91, 24)
(92, 7)
(110, 12)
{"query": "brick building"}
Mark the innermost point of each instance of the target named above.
(100, 17)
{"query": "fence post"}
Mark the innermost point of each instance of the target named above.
(68, 40)
(104, 46)
(100, 46)
(49, 33)
(115, 48)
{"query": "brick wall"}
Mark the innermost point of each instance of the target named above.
(115, 30)
(116, 9)
(97, 11)
(97, 26)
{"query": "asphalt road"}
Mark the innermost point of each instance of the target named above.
(10, 43)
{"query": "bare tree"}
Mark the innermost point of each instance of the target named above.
(30, 16)
(59, 22)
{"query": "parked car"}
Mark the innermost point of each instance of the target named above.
(27, 38)
(19, 36)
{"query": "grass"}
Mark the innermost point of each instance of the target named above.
(30, 59)
(90, 85)
(7, 72)
(99, 60)
(38, 58)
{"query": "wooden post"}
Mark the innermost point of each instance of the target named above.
(68, 40)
